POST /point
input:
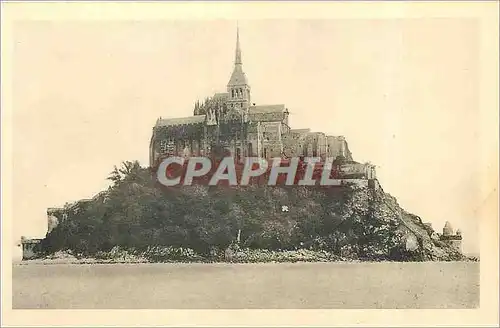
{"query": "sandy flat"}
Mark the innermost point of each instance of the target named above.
(237, 286)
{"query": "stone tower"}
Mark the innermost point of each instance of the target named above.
(447, 229)
(450, 238)
(237, 87)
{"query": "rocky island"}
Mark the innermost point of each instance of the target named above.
(136, 220)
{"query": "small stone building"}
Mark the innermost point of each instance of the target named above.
(31, 247)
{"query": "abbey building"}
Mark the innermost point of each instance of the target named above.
(230, 123)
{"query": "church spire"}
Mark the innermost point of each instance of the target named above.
(238, 77)
(237, 59)
(237, 87)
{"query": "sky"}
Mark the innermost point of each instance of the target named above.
(404, 92)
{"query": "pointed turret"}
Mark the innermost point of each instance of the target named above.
(447, 229)
(453, 240)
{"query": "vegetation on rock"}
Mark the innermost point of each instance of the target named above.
(199, 223)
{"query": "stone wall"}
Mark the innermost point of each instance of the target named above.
(31, 248)
(272, 145)
(266, 135)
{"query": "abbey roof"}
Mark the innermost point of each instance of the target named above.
(181, 120)
(267, 108)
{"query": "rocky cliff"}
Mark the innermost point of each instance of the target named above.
(356, 221)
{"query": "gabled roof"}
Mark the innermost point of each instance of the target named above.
(181, 121)
(267, 108)
(221, 95)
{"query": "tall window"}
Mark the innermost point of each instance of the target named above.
(238, 154)
(163, 146)
(167, 147)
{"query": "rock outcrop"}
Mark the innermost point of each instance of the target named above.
(356, 221)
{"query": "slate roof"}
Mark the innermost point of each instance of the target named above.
(267, 108)
(261, 109)
(181, 120)
(221, 95)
